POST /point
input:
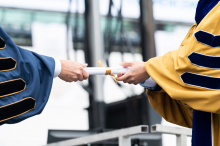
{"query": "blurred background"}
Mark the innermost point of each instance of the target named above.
(86, 31)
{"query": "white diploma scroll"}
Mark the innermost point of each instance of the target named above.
(103, 70)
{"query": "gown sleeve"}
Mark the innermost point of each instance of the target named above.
(171, 110)
(25, 81)
(190, 76)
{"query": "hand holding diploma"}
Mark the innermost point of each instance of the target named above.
(72, 71)
(135, 75)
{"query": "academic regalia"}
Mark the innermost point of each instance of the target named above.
(190, 78)
(25, 81)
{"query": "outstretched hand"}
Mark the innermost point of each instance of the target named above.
(72, 71)
(135, 75)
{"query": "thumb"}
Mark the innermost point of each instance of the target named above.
(126, 64)
(119, 74)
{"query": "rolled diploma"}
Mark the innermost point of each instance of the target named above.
(102, 70)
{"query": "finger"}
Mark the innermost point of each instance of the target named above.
(135, 83)
(126, 64)
(122, 78)
(130, 81)
(85, 74)
(127, 80)
(83, 65)
(74, 79)
(119, 74)
(80, 77)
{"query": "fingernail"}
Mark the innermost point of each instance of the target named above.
(120, 63)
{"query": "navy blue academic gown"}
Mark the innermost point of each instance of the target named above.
(25, 81)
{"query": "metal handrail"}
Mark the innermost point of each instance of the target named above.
(181, 133)
(123, 135)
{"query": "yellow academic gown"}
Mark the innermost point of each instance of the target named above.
(178, 97)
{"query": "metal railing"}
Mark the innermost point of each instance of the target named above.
(181, 133)
(124, 135)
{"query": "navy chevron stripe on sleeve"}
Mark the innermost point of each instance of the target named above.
(207, 38)
(206, 61)
(201, 81)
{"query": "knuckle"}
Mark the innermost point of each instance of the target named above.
(68, 81)
(81, 68)
(131, 82)
(131, 74)
(78, 73)
(74, 78)
(132, 79)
